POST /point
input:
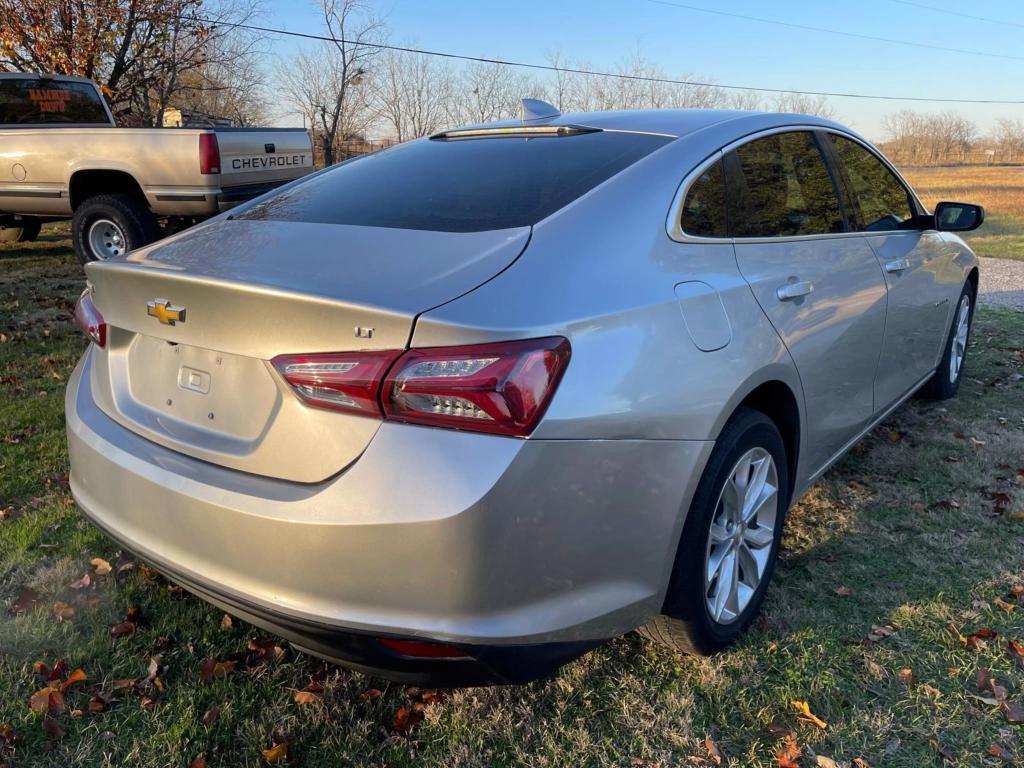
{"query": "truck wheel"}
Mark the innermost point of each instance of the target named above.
(107, 226)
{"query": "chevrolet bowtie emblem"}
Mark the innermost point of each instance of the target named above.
(165, 312)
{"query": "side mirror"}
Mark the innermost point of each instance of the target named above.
(958, 217)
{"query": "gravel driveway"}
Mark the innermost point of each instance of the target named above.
(1002, 283)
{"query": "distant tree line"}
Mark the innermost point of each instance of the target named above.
(949, 138)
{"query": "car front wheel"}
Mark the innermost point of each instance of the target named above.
(730, 540)
(945, 382)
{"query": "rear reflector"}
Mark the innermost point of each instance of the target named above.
(209, 154)
(501, 388)
(89, 319)
(422, 650)
(341, 381)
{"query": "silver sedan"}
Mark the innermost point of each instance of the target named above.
(458, 411)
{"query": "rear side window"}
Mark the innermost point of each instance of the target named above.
(460, 185)
(880, 203)
(704, 206)
(35, 101)
(782, 188)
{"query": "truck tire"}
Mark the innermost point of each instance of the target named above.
(107, 226)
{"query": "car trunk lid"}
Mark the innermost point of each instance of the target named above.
(194, 321)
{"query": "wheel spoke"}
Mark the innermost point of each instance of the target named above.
(750, 567)
(767, 494)
(716, 559)
(718, 534)
(758, 538)
(725, 586)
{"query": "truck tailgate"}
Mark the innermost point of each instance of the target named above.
(263, 155)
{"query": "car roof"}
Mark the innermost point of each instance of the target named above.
(669, 122)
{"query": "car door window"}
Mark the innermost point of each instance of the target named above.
(879, 201)
(782, 188)
(704, 206)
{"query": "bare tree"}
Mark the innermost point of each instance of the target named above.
(918, 138)
(803, 104)
(329, 84)
(410, 94)
(487, 92)
(1009, 137)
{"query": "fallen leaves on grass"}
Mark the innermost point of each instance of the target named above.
(406, 719)
(62, 611)
(997, 750)
(805, 715)
(211, 669)
(1016, 652)
(101, 566)
(880, 633)
(199, 762)
(370, 693)
(81, 583)
(977, 640)
(1006, 606)
(906, 676)
(277, 753)
(306, 697)
(842, 592)
(263, 649)
(788, 754)
(211, 714)
(714, 755)
(226, 622)
(131, 622)
(26, 600)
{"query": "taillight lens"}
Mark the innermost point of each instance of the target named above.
(501, 388)
(341, 381)
(209, 154)
(421, 650)
(90, 320)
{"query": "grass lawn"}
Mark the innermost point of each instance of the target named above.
(920, 531)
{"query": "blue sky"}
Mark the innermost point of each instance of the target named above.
(731, 50)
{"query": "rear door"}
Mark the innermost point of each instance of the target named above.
(915, 265)
(821, 288)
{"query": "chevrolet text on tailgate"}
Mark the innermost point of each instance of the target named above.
(124, 187)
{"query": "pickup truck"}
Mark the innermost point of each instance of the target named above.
(62, 157)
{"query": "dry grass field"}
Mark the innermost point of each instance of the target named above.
(999, 188)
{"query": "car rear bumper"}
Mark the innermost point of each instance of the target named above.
(524, 553)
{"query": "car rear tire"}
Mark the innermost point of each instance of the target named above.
(945, 382)
(107, 226)
(727, 543)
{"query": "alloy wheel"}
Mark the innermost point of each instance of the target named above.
(742, 533)
(958, 344)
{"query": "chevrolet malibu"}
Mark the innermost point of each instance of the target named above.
(461, 410)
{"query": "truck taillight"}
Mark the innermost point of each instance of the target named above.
(89, 319)
(502, 388)
(209, 154)
(342, 381)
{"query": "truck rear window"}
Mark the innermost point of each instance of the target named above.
(35, 101)
(460, 185)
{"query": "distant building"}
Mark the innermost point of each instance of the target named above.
(191, 118)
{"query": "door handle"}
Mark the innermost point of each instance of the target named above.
(794, 290)
(897, 266)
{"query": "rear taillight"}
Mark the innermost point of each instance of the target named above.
(342, 381)
(502, 388)
(209, 154)
(90, 320)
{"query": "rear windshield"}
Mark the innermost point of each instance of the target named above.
(31, 101)
(460, 185)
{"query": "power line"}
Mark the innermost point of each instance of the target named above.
(1000, 22)
(598, 73)
(840, 32)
